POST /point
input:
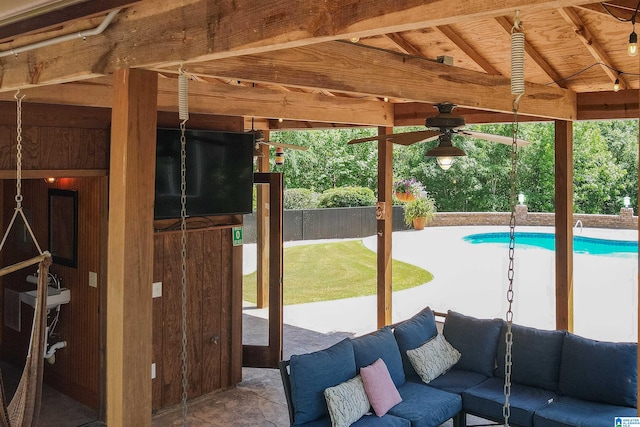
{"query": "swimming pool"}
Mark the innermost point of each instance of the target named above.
(581, 245)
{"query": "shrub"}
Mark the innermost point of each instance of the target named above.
(423, 206)
(300, 198)
(344, 197)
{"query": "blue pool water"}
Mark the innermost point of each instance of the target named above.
(582, 245)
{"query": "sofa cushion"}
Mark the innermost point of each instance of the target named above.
(433, 358)
(347, 402)
(412, 333)
(369, 420)
(310, 374)
(535, 356)
(379, 345)
(457, 380)
(567, 411)
(487, 400)
(379, 387)
(426, 406)
(599, 371)
(475, 339)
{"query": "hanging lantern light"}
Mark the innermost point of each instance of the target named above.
(279, 156)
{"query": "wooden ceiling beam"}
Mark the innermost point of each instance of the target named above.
(584, 35)
(338, 67)
(472, 53)
(623, 9)
(221, 99)
(534, 54)
(608, 105)
(202, 30)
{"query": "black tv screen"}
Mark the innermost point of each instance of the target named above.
(219, 173)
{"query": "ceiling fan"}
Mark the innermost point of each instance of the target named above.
(447, 125)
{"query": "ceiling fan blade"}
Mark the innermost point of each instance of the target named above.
(284, 145)
(406, 138)
(409, 138)
(494, 138)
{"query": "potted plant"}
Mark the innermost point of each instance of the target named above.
(419, 211)
(407, 190)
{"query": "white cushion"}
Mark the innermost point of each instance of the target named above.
(433, 358)
(347, 402)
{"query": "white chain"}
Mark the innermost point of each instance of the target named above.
(182, 85)
(18, 197)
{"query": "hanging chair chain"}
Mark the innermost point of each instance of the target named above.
(18, 197)
(184, 116)
(506, 410)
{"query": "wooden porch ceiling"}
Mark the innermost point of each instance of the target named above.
(355, 62)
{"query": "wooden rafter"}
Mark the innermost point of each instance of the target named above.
(623, 9)
(338, 67)
(587, 39)
(199, 30)
(472, 53)
(534, 54)
(402, 44)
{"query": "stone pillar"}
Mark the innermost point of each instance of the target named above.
(521, 214)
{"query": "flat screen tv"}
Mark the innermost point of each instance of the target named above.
(219, 173)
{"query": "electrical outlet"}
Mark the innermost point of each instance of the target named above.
(157, 290)
(153, 371)
(93, 279)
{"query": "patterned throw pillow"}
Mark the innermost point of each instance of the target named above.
(347, 402)
(433, 358)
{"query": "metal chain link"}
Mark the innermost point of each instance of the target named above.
(183, 241)
(18, 197)
(506, 409)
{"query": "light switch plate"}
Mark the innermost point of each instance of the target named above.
(93, 279)
(153, 371)
(157, 290)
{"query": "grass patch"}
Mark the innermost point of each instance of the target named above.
(330, 271)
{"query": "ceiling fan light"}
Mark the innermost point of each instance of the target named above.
(445, 162)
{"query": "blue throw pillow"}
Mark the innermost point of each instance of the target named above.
(310, 374)
(379, 345)
(535, 356)
(411, 334)
(599, 371)
(475, 339)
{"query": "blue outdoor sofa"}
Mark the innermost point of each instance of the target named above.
(559, 379)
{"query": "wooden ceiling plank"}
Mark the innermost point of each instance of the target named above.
(534, 54)
(337, 67)
(585, 36)
(221, 99)
(202, 30)
(468, 50)
(623, 9)
(402, 44)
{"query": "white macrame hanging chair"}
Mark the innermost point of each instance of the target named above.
(24, 408)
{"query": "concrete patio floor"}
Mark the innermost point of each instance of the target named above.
(470, 279)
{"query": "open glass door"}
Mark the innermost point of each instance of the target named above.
(262, 338)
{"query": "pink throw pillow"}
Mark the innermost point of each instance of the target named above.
(382, 393)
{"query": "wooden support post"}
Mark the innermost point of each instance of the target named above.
(564, 224)
(638, 305)
(262, 230)
(130, 247)
(384, 210)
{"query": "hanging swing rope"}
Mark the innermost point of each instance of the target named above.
(517, 88)
(183, 107)
(18, 198)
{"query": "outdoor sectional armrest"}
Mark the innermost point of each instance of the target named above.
(283, 365)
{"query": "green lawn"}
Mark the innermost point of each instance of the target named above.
(323, 272)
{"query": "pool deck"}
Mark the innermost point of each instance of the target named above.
(472, 279)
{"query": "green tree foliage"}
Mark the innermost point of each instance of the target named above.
(605, 166)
